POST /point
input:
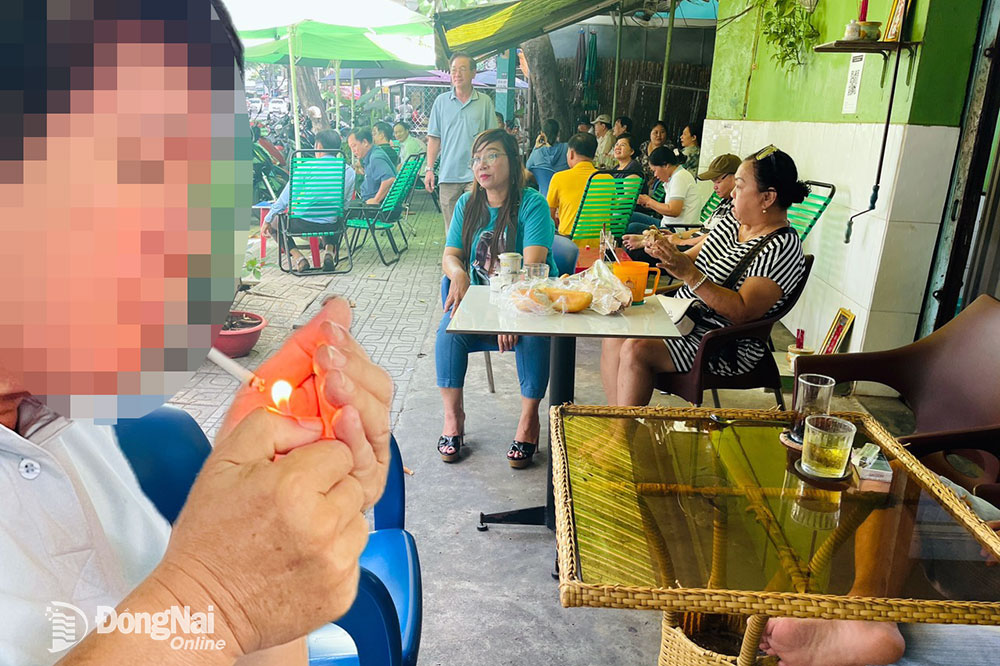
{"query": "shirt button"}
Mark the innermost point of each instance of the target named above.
(29, 469)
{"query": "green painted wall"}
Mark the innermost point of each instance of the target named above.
(748, 87)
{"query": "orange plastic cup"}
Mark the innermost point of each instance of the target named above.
(635, 275)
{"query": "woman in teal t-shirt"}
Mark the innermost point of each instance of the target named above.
(499, 215)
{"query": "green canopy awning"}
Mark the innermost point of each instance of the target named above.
(318, 44)
(481, 31)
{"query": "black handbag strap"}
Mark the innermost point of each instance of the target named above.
(745, 262)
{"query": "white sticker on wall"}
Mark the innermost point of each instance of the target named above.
(853, 89)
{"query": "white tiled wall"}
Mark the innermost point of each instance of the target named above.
(882, 273)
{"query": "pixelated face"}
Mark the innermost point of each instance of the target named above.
(400, 133)
(120, 193)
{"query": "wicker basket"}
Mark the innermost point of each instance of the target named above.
(677, 649)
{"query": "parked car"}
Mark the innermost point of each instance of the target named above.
(279, 106)
(254, 106)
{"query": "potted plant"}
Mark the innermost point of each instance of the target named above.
(787, 27)
(240, 333)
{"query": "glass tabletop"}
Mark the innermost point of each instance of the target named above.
(665, 499)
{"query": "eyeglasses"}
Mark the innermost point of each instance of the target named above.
(766, 152)
(488, 159)
(459, 70)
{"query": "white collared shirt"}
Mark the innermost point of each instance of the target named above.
(75, 527)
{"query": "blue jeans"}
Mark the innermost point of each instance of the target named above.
(451, 355)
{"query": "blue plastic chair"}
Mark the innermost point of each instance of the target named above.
(167, 448)
(543, 175)
(391, 556)
(565, 253)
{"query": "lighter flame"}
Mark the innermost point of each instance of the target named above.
(281, 391)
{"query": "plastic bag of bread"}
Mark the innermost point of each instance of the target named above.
(547, 297)
(610, 295)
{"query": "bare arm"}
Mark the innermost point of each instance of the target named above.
(433, 148)
(382, 191)
(755, 297)
(536, 254)
(672, 208)
(295, 653)
(139, 648)
(453, 265)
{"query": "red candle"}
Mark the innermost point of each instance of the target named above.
(863, 15)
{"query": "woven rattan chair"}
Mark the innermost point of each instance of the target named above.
(951, 381)
(691, 385)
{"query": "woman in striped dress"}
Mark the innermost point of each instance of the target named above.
(766, 185)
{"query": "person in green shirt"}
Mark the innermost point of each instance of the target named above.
(408, 144)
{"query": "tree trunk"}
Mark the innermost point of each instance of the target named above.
(550, 92)
(308, 90)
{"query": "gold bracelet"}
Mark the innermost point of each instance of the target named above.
(699, 282)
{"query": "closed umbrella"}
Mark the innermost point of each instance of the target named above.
(590, 76)
(579, 67)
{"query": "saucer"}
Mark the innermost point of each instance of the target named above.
(830, 479)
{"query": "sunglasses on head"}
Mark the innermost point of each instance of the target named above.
(766, 152)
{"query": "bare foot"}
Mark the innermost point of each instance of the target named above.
(831, 642)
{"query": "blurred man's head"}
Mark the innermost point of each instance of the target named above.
(125, 170)
(581, 147)
(328, 141)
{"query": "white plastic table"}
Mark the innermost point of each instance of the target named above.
(478, 316)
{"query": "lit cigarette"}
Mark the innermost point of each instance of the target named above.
(235, 369)
(281, 391)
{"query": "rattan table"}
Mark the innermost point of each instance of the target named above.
(712, 524)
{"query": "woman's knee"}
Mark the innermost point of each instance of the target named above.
(638, 352)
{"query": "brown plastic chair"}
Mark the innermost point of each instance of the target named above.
(691, 385)
(951, 381)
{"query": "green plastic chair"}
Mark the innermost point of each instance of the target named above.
(365, 220)
(658, 191)
(804, 216)
(608, 202)
(317, 190)
(709, 207)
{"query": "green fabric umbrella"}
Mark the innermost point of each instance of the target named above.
(318, 34)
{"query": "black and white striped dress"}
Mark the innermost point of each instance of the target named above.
(781, 261)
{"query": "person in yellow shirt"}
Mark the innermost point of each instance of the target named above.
(566, 188)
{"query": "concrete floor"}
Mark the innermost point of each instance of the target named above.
(489, 598)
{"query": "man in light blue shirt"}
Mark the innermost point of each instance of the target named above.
(325, 140)
(457, 118)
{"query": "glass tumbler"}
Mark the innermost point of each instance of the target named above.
(826, 448)
(812, 396)
(536, 271)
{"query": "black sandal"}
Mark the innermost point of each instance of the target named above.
(525, 449)
(453, 441)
